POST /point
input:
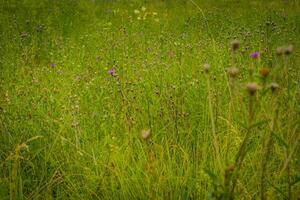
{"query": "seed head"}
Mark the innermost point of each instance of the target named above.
(274, 87)
(235, 45)
(288, 50)
(284, 50)
(264, 72)
(280, 51)
(146, 134)
(232, 71)
(206, 67)
(230, 169)
(252, 87)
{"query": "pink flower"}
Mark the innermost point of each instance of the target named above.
(254, 54)
(112, 72)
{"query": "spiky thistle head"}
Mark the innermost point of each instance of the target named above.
(274, 86)
(146, 134)
(235, 45)
(232, 71)
(206, 67)
(288, 50)
(252, 87)
(264, 72)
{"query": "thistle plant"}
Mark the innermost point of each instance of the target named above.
(206, 68)
(251, 88)
(268, 141)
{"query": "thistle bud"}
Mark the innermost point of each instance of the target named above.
(235, 45)
(264, 72)
(232, 71)
(274, 87)
(146, 134)
(206, 67)
(279, 51)
(252, 88)
(230, 169)
(288, 50)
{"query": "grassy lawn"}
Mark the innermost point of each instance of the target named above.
(149, 99)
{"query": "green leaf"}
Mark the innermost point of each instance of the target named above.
(280, 141)
(277, 189)
(258, 123)
(297, 180)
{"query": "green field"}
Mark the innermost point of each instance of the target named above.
(149, 99)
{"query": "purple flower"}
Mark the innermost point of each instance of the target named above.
(112, 72)
(52, 65)
(254, 54)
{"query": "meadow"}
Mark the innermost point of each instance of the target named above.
(149, 99)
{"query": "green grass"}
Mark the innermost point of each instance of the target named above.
(70, 130)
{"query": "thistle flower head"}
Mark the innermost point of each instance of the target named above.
(264, 72)
(146, 134)
(274, 87)
(254, 55)
(230, 169)
(288, 50)
(252, 87)
(52, 65)
(284, 50)
(206, 67)
(280, 51)
(232, 71)
(112, 72)
(235, 45)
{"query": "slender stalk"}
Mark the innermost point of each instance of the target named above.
(242, 151)
(266, 153)
(215, 138)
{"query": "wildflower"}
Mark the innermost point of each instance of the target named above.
(264, 72)
(206, 67)
(232, 71)
(252, 88)
(146, 134)
(254, 55)
(40, 28)
(288, 50)
(154, 13)
(23, 35)
(52, 65)
(136, 12)
(274, 87)
(144, 9)
(112, 72)
(280, 51)
(235, 44)
(230, 169)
